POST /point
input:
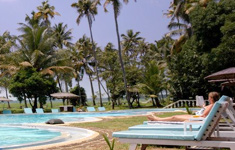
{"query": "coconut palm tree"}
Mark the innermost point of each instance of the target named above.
(36, 49)
(84, 53)
(111, 73)
(88, 8)
(152, 81)
(116, 8)
(130, 42)
(63, 37)
(179, 11)
(45, 11)
(7, 41)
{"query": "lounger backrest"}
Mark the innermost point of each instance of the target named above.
(101, 108)
(90, 109)
(6, 111)
(39, 111)
(230, 107)
(28, 110)
(54, 110)
(212, 120)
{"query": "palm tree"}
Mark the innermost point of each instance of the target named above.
(130, 43)
(180, 10)
(88, 8)
(6, 43)
(116, 8)
(111, 73)
(45, 11)
(152, 81)
(37, 50)
(63, 37)
(84, 47)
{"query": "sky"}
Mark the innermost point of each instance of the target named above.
(144, 16)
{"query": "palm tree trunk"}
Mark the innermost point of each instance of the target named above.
(25, 102)
(51, 103)
(66, 90)
(92, 90)
(58, 80)
(106, 91)
(79, 90)
(122, 65)
(7, 97)
(94, 53)
(109, 98)
(35, 105)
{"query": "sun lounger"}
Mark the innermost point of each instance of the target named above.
(6, 111)
(228, 116)
(28, 110)
(39, 111)
(54, 110)
(101, 108)
(202, 137)
(90, 109)
(176, 127)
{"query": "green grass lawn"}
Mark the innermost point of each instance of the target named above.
(118, 124)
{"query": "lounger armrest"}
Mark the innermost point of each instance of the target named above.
(197, 119)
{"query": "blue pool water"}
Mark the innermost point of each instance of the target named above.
(69, 117)
(16, 135)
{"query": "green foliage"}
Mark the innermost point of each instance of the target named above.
(210, 49)
(152, 79)
(110, 71)
(188, 110)
(28, 83)
(111, 146)
(76, 90)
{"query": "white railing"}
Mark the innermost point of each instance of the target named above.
(182, 103)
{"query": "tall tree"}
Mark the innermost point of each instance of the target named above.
(7, 42)
(111, 73)
(45, 11)
(83, 51)
(88, 8)
(63, 36)
(116, 8)
(152, 81)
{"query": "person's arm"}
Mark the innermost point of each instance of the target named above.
(207, 110)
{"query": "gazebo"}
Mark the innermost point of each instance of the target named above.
(3, 99)
(65, 95)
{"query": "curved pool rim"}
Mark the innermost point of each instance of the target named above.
(68, 135)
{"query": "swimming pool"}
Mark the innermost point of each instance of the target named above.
(72, 117)
(15, 135)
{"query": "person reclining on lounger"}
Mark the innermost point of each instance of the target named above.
(212, 97)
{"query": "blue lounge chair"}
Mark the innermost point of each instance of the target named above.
(28, 110)
(101, 108)
(173, 127)
(55, 110)
(90, 109)
(39, 111)
(6, 111)
(202, 137)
